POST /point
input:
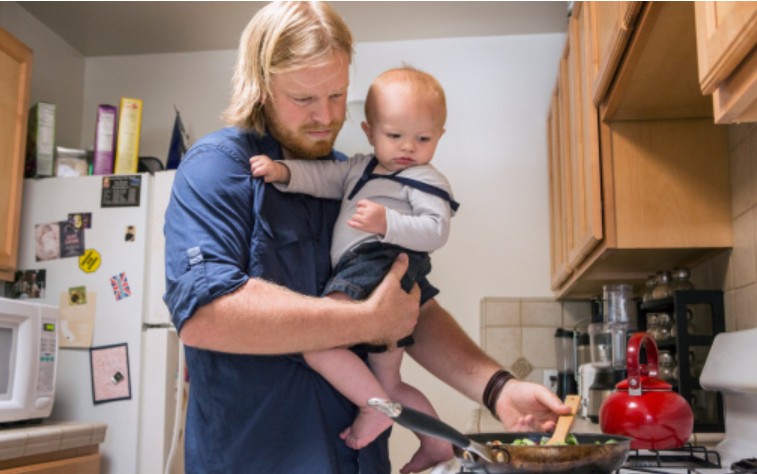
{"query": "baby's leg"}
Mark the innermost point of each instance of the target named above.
(352, 378)
(386, 367)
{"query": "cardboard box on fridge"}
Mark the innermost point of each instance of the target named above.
(40, 142)
(127, 143)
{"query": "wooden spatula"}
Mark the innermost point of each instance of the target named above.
(565, 421)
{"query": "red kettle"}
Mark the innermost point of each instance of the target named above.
(644, 407)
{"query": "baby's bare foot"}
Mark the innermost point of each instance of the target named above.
(432, 452)
(366, 427)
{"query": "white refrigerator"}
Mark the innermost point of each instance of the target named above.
(120, 359)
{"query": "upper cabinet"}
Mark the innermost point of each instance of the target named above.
(726, 39)
(638, 170)
(609, 24)
(574, 154)
(15, 82)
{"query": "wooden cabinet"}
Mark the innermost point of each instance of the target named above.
(83, 464)
(609, 26)
(576, 212)
(584, 185)
(557, 197)
(15, 82)
(726, 40)
(645, 180)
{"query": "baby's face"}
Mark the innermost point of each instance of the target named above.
(404, 131)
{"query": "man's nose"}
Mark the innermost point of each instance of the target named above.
(326, 111)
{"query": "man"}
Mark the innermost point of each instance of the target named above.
(244, 264)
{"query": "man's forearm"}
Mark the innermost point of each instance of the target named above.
(263, 318)
(443, 348)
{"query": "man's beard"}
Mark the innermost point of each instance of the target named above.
(297, 142)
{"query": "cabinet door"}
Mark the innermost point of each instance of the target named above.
(735, 99)
(609, 25)
(558, 223)
(15, 81)
(726, 33)
(585, 211)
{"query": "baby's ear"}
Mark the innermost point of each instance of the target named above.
(367, 130)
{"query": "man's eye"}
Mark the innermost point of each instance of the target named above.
(336, 96)
(303, 100)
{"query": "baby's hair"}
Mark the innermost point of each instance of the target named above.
(421, 83)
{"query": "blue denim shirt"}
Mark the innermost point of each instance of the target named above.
(250, 413)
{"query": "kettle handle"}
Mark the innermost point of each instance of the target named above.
(635, 368)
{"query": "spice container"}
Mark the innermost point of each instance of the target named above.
(649, 288)
(680, 279)
(662, 290)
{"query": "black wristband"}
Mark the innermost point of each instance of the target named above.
(494, 388)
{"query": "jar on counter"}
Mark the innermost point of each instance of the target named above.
(680, 279)
(668, 368)
(662, 289)
(649, 288)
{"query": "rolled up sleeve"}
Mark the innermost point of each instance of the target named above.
(208, 224)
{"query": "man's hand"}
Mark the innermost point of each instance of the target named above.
(393, 312)
(270, 170)
(526, 406)
(369, 217)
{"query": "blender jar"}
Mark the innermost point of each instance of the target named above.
(600, 345)
(566, 362)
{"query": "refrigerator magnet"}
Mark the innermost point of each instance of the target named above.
(80, 220)
(121, 191)
(110, 373)
(120, 285)
(90, 261)
(130, 235)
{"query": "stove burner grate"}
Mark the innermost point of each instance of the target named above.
(688, 457)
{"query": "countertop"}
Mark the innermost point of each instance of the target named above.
(49, 436)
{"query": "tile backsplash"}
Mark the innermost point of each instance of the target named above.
(735, 272)
(520, 332)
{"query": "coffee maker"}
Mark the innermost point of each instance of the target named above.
(608, 335)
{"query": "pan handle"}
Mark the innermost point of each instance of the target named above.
(420, 422)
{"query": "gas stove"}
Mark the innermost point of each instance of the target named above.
(699, 460)
(686, 460)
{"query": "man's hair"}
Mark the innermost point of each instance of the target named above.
(419, 81)
(281, 37)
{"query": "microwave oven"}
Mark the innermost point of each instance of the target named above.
(28, 360)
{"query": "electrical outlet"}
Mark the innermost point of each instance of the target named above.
(550, 379)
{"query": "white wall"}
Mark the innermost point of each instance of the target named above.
(494, 151)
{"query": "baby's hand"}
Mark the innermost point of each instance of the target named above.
(369, 217)
(262, 166)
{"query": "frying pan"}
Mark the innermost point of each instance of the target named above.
(477, 456)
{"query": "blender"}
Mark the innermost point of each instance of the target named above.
(566, 363)
(607, 341)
